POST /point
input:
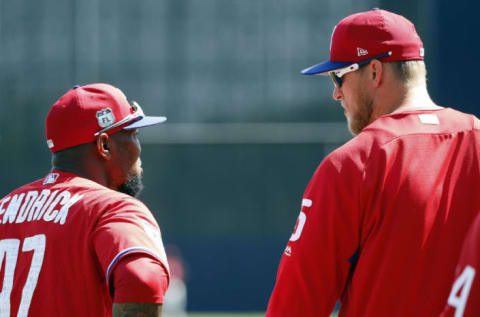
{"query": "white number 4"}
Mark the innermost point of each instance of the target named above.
(463, 282)
(9, 250)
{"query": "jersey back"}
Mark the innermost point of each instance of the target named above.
(60, 239)
(383, 220)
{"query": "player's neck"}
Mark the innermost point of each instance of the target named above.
(415, 97)
(75, 171)
(403, 98)
(80, 162)
(82, 172)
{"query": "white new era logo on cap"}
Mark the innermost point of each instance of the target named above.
(361, 51)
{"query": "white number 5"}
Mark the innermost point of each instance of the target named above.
(463, 282)
(9, 250)
(301, 221)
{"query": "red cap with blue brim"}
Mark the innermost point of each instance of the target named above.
(85, 112)
(364, 35)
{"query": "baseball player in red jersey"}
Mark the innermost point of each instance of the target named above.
(76, 241)
(384, 216)
(464, 297)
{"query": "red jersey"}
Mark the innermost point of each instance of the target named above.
(464, 298)
(61, 238)
(383, 219)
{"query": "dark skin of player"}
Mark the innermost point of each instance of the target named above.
(136, 310)
(110, 161)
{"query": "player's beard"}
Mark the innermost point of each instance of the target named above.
(133, 186)
(362, 117)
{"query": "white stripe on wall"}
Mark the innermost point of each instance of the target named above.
(249, 133)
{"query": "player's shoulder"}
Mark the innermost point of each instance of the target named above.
(347, 161)
(106, 203)
(104, 197)
(396, 126)
(417, 122)
(377, 140)
(356, 151)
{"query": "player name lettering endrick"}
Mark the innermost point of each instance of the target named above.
(33, 206)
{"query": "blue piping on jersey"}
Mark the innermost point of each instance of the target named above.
(353, 260)
(122, 253)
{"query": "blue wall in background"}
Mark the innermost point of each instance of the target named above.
(456, 67)
(231, 274)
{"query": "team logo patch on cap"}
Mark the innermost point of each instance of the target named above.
(361, 51)
(105, 117)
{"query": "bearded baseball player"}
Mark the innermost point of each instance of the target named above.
(384, 216)
(464, 298)
(76, 241)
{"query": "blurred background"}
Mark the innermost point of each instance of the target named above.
(245, 132)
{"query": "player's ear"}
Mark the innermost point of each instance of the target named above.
(376, 72)
(103, 146)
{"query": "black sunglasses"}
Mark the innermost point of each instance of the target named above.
(338, 74)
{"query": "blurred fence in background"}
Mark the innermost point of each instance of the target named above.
(245, 133)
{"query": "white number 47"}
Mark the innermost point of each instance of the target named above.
(463, 282)
(9, 250)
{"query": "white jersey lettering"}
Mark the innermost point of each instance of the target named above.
(37, 206)
(63, 213)
(40, 214)
(31, 195)
(50, 214)
(13, 207)
(1, 205)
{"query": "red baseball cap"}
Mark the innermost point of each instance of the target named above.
(85, 112)
(369, 34)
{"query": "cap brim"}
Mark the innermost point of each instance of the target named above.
(145, 122)
(324, 68)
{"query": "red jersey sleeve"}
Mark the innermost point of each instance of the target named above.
(125, 229)
(139, 279)
(316, 263)
(464, 297)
